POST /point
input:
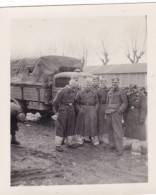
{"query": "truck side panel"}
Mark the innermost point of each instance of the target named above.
(39, 94)
(16, 92)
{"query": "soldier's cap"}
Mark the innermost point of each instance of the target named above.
(115, 78)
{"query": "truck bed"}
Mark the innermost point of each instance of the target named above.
(31, 92)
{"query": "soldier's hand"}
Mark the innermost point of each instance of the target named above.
(119, 112)
(51, 101)
(54, 117)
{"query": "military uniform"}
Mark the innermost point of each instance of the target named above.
(95, 88)
(135, 116)
(65, 123)
(86, 124)
(116, 105)
(102, 97)
(15, 111)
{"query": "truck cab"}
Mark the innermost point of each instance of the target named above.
(62, 79)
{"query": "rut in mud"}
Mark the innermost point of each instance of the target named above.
(35, 161)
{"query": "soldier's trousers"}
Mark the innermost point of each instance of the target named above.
(115, 130)
(65, 124)
(102, 126)
(13, 125)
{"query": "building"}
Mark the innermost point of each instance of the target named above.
(127, 73)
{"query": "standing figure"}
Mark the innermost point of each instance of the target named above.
(102, 96)
(65, 123)
(16, 115)
(116, 105)
(95, 85)
(136, 114)
(86, 122)
(143, 90)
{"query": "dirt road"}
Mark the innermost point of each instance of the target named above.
(35, 161)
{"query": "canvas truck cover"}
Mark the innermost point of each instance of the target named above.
(42, 68)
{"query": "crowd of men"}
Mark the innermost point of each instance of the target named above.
(86, 114)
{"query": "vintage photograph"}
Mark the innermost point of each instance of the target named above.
(78, 100)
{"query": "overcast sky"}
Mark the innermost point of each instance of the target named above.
(68, 36)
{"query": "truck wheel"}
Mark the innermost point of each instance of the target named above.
(45, 114)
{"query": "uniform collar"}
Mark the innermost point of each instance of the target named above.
(116, 89)
(103, 87)
(88, 90)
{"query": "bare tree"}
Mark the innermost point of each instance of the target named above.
(103, 50)
(79, 49)
(136, 45)
(105, 58)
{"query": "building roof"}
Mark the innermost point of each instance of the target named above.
(117, 69)
(70, 74)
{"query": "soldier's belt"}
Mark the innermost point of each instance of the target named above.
(68, 104)
(88, 104)
(114, 106)
(102, 102)
(133, 108)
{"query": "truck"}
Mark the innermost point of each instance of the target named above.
(35, 86)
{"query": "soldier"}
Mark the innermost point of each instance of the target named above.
(87, 106)
(136, 114)
(65, 123)
(16, 115)
(77, 85)
(143, 90)
(95, 84)
(102, 96)
(116, 105)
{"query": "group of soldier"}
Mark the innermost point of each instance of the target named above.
(86, 114)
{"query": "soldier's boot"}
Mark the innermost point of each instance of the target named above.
(101, 139)
(95, 140)
(87, 139)
(70, 142)
(73, 146)
(58, 142)
(14, 141)
(59, 149)
(79, 140)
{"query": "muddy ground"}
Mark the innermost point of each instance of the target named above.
(35, 161)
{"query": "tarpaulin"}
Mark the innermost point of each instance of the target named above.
(32, 70)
